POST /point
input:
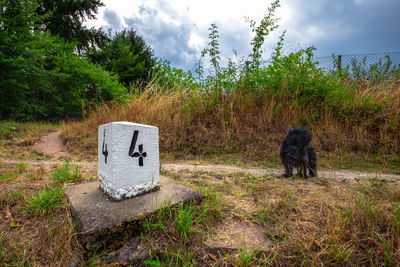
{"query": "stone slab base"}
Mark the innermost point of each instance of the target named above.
(102, 222)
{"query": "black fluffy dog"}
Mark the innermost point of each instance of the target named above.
(296, 151)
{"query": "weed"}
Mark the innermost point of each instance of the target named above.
(321, 181)
(22, 167)
(368, 207)
(46, 200)
(7, 128)
(67, 173)
(247, 257)
(93, 257)
(181, 258)
(159, 219)
(7, 177)
(389, 260)
(277, 234)
(185, 219)
(28, 140)
(154, 262)
(396, 219)
(13, 198)
(210, 208)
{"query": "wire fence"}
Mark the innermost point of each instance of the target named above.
(363, 66)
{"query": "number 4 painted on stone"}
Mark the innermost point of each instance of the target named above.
(104, 148)
(139, 154)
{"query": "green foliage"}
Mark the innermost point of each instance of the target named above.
(159, 219)
(65, 19)
(126, 55)
(171, 78)
(246, 257)
(375, 73)
(66, 173)
(46, 200)
(210, 208)
(389, 259)
(396, 219)
(7, 177)
(42, 77)
(185, 219)
(213, 49)
(180, 258)
(7, 128)
(267, 25)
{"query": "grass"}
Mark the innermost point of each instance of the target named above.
(310, 223)
(247, 257)
(298, 222)
(192, 123)
(67, 173)
(48, 199)
(180, 258)
(191, 128)
(185, 220)
(16, 138)
(304, 222)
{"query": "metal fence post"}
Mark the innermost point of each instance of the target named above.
(339, 63)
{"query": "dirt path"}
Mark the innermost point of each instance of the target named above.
(52, 144)
(338, 174)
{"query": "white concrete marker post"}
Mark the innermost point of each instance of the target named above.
(128, 159)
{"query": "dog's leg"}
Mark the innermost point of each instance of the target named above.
(304, 167)
(288, 171)
(313, 169)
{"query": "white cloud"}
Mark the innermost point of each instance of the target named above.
(178, 29)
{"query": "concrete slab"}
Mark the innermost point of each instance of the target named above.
(102, 221)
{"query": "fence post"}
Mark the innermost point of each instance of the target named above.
(339, 63)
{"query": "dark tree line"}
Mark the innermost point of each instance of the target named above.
(126, 55)
(52, 67)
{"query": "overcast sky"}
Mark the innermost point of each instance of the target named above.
(177, 30)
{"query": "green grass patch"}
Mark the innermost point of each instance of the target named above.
(185, 219)
(247, 257)
(183, 257)
(67, 173)
(7, 177)
(48, 199)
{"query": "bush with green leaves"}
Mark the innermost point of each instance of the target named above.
(42, 77)
(126, 55)
(171, 78)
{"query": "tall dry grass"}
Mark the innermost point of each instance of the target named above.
(197, 122)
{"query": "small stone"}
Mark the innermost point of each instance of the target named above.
(72, 264)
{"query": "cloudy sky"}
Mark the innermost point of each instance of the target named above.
(177, 30)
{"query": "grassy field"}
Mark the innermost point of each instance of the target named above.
(252, 219)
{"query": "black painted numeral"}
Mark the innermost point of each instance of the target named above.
(132, 152)
(104, 148)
